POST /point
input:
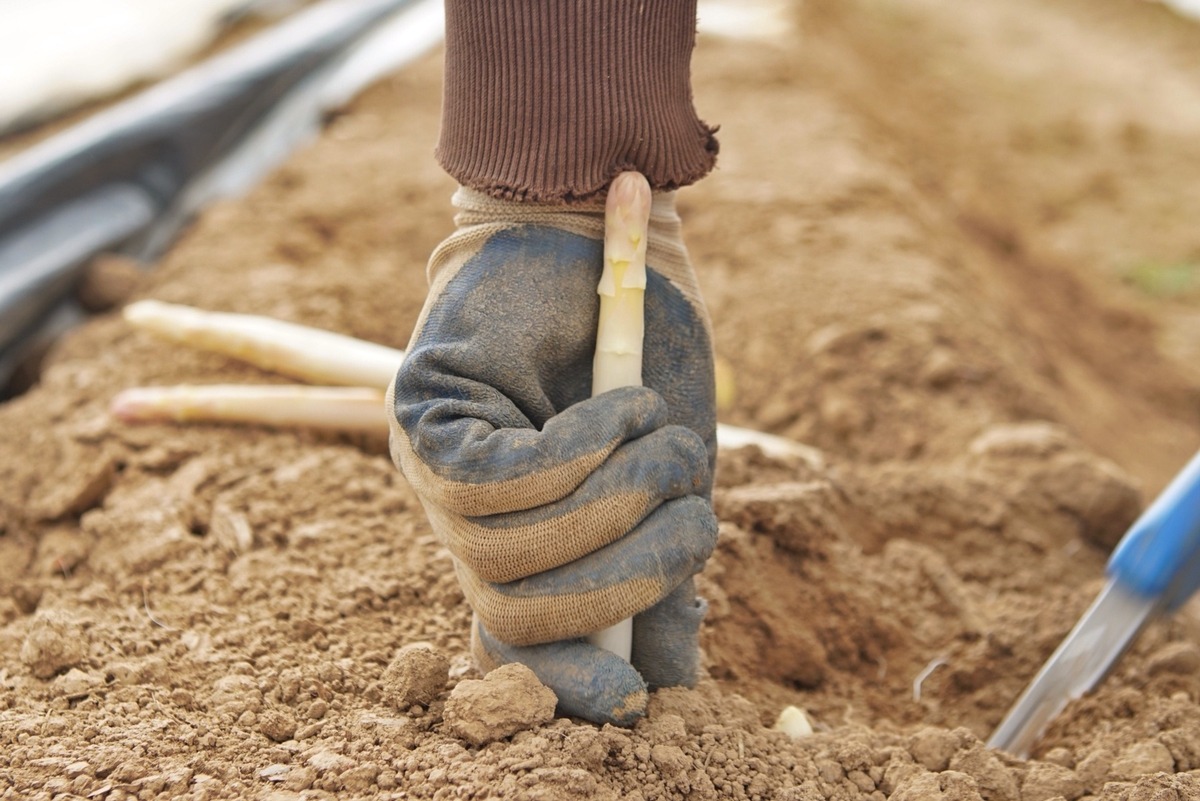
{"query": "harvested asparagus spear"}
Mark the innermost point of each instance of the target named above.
(622, 288)
(296, 350)
(622, 323)
(293, 350)
(315, 354)
(337, 408)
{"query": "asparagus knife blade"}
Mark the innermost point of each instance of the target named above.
(1154, 570)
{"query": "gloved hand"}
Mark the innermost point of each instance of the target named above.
(565, 514)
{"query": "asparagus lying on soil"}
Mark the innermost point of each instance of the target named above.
(271, 344)
(336, 408)
(296, 350)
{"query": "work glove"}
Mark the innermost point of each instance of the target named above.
(565, 514)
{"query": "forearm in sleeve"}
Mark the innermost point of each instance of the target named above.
(547, 100)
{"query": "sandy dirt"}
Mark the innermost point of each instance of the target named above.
(951, 245)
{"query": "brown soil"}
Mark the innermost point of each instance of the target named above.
(932, 249)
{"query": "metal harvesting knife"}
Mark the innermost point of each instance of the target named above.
(1154, 570)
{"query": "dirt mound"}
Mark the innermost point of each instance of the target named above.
(913, 262)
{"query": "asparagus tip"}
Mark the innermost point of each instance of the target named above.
(133, 405)
(629, 196)
(143, 309)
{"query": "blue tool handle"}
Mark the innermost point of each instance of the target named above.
(1159, 557)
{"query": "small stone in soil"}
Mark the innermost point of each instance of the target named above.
(276, 725)
(55, 642)
(1140, 759)
(416, 676)
(1180, 658)
(934, 747)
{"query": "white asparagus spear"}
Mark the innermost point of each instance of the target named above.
(622, 323)
(335, 408)
(293, 349)
(622, 288)
(734, 437)
(296, 350)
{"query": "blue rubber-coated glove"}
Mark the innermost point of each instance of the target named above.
(565, 514)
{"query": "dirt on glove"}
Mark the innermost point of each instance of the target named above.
(950, 245)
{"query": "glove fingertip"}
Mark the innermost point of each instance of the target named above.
(666, 639)
(590, 683)
(630, 710)
(607, 698)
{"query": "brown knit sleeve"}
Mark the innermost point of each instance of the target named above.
(548, 100)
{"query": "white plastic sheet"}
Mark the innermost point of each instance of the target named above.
(56, 54)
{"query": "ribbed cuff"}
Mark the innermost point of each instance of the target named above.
(548, 101)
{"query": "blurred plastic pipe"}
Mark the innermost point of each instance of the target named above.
(212, 131)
